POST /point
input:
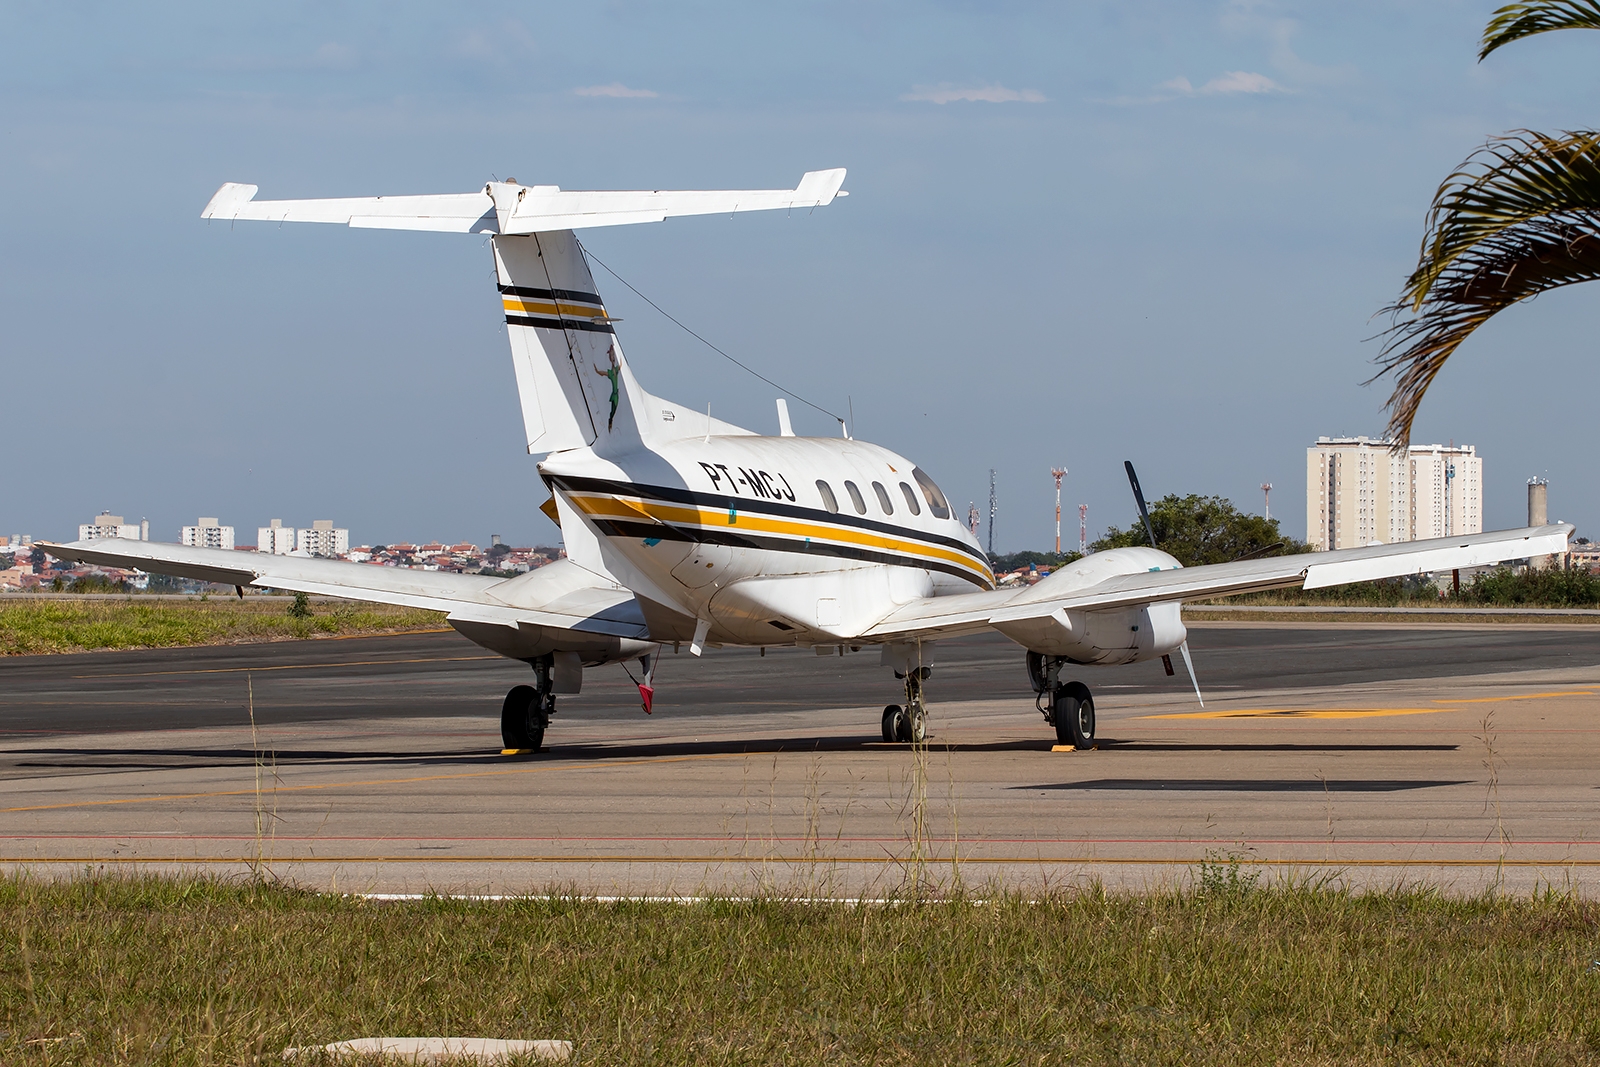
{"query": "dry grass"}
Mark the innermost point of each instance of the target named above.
(32, 626)
(102, 971)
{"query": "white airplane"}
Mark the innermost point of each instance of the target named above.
(680, 528)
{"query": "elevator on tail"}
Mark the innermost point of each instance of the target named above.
(682, 530)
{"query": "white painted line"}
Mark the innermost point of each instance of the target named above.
(437, 1049)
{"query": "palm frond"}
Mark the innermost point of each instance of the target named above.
(1516, 21)
(1520, 216)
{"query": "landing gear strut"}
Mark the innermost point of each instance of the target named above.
(1068, 706)
(527, 709)
(908, 725)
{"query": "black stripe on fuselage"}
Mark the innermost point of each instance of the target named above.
(546, 323)
(667, 495)
(734, 539)
(551, 294)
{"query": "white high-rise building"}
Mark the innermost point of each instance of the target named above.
(322, 539)
(277, 538)
(1359, 492)
(106, 525)
(206, 533)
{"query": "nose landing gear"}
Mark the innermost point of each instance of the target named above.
(1068, 706)
(908, 725)
(525, 715)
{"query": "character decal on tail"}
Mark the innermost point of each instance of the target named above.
(611, 375)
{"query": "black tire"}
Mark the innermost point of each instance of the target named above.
(891, 723)
(516, 718)
(1074, 715)
(912, 729)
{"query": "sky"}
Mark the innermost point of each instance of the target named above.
(1077, 234)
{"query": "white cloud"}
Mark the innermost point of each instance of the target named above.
(946, 93)
(1233, 81)
(616, 89)
(1241, 81)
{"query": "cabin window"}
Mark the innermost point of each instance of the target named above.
(936, 501)
(911, 499)
(828, 500)
(855, 498)
(883, 498)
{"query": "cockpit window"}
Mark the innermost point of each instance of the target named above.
(828, 500)
(883, 498)
(855, 498)
(937, 505)
(911, 499)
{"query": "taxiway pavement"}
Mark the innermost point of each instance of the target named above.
(1463, 756)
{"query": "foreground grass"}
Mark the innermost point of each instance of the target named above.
(201, 972)
(30, 626)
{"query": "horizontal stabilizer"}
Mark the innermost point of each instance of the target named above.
(509, 208)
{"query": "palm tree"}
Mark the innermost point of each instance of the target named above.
(1520, 216)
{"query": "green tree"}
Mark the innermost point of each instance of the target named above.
(1519, 217)
(1201, 529)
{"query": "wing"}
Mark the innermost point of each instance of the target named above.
(966, 613)
(561, 598)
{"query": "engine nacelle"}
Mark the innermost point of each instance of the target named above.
(1117, 635)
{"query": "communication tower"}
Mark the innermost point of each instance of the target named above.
(972, 518)
(1266, 500)
(1083, 529)
(993, 507)
(1058, 473)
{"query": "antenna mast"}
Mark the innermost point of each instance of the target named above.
(1057, 473)
(1266, 500)
(1083, 529)
(993, 507)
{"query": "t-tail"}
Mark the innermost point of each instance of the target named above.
(574, 382)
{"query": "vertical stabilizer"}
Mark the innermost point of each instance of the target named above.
(571, 375)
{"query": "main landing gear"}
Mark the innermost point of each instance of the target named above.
(908, 725)
(1068, 706)
(526, 712)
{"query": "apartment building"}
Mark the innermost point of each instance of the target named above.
(1360, 492)
(207, 533)
(106, 525)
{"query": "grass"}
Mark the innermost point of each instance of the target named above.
(106, 970)
(31, 626)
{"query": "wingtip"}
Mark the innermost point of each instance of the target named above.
(225, 202)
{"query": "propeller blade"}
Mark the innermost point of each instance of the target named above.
(1187, 662)
(1264, 550)
(1138, 496)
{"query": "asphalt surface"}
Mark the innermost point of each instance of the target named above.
(1370, 753)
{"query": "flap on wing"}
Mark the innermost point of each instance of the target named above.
(1441, 554)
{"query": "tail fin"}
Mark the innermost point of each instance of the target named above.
(574, 382)
(575, 385)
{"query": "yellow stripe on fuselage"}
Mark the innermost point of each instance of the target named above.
(523, 306)
(609, 507)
